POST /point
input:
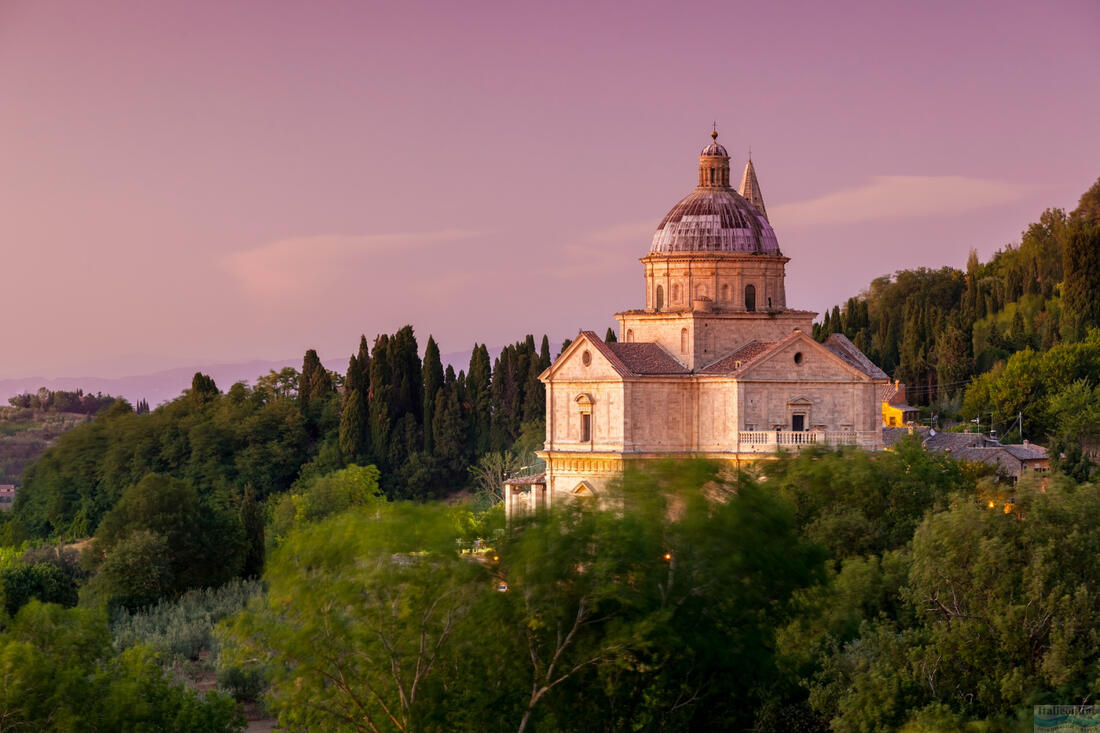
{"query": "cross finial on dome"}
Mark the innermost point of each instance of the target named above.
(714, 131)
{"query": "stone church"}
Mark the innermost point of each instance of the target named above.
(714, 365)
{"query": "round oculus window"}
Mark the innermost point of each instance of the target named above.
(798, 357)
(586, 358)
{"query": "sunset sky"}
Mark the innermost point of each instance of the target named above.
(194, 182)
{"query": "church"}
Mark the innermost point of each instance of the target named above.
(714, 364)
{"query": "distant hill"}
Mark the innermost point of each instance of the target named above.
(158, 387)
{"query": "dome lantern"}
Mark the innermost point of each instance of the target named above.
(714, 164)
(715, 217)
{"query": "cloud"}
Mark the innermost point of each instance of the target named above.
(290, 268)
(899, 197)
(603, 250)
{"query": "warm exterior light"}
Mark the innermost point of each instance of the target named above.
(668, 557)
(990, 503)
(496, 558)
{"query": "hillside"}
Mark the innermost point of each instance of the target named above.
(26, 433)
(948, 334)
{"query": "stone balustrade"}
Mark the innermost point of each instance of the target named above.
(769, 441)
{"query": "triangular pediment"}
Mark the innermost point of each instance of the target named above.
(587, 358)
(800, 357)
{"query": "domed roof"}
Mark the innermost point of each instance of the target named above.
(714, 150)
(714, 220)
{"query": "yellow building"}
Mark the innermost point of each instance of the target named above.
(895, 412)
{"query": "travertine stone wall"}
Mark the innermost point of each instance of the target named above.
(710, 335)
(721, 277)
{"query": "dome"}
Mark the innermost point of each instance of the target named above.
(714, 220)
(714, 150)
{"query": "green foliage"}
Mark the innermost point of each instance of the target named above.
(359, 649)
(1051, 390)
(933, 328)
(324, 496)
(1080, 298)
(988, 610)
(43, 581)
(184, 540)
(60, 674)
(136, 573)
(374, 620)
(252, 521)
(857, 503)
(221, 443)
(183, 627)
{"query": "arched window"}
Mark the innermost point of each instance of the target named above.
(660, 297)
(683, 341)
(725, 293)
(750, 297)
(629, 335)
(676, 293)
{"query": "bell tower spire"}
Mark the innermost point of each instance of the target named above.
(750, 189)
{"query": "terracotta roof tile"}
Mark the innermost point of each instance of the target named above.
(646, 358)
(537, 479)
(839, 344)
(735, 360)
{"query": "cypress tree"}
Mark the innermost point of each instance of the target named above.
(406, 378)
(544, 353)
(203, 388)
(477, 384)
(1081, 268)
(315, 383)
(381, 418)
(433, 380)
(450, 428)
(609, 337)
(353, 433)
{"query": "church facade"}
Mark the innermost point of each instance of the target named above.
(714, 365)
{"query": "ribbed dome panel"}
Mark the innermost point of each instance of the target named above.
(709, 220)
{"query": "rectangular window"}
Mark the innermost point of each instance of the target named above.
(798, 422)
(586, 427)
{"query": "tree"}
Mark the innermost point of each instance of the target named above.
(671, 619)
(203, 389)
(203, 544)
(953, 362)
(449, 424)
(433, 381)
(1088, 207)
(44, 581)
(1080, 296)
(60, 673)
(478, 381)
(354, 432)
(356, 644)
(489, 473)
(609, 337)
(137, 572)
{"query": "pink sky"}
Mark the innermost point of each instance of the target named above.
(211, 181)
